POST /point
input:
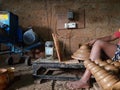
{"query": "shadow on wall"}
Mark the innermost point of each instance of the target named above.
(43, 32)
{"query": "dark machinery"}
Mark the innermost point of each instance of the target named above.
(13, 37)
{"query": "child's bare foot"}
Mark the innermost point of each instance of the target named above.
(77, 85)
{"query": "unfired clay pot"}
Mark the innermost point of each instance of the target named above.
(98, 61)
(108, 78)
(101, 72)
(111, 68)
(109, 61)
(104, 79)
(84, 47)
(108, 84)
(86, 62)
(95, 69)
(116, 86)
(91, 65)
(102, 64)
(116, 64)
(81, 56)
(82, 53)
(98, 78)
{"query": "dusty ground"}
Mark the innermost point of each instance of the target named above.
(25, 81)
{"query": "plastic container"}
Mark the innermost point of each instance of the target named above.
(49, 48)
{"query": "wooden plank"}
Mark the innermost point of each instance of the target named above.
(57, 46)
(71, 61)
(57, 65)
(46, 60)
(61, 78)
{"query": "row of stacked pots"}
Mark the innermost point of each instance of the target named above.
(109, 65)
(105, 72)
(103, 75)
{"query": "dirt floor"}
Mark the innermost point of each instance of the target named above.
(24, 80)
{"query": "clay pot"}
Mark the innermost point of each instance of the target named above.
(75, 57)
(116, 64)
(81, 57)
(101, 72)
(109, 61)
(102, 76)
(108, 84)
(85, 46)
(91, 65)
(98, 61)
(102, 64)
(95, 69)
(116, 86)
(3, 79)
(104, 79)
(111, 68)
(86, 62)
(108, 78)
(82, 53)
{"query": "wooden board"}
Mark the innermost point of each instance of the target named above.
(45, 60)
(70, 61)
(57, 47)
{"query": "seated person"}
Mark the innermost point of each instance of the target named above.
(98, 45)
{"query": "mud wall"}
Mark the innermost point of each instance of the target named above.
(101, 18)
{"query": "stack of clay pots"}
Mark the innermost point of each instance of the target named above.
(82, 53)
(109, 65)
(105, 79)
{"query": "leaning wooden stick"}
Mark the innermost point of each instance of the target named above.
(57, 46)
